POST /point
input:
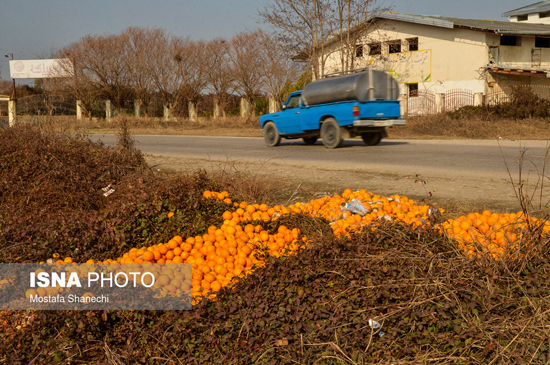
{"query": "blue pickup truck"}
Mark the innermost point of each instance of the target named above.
(361, 104)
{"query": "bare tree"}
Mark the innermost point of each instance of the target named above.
(246, 58)
(170, 71)
(218, 73)
(82, 84)
(5, 86)
(348, 24)
(277, 66)
(190, 69)
(100, 69)
(307, 26)
(139, 59)
(301, 27)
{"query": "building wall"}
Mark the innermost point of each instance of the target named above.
(532, 18)
(446, 59)
(525, 56)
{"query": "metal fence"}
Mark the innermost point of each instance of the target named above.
(426, 102)
(458, 98)
(421, 102)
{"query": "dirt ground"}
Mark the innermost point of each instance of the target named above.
(456, 194)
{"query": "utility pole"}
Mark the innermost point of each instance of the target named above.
(12, 104)
(14, 91)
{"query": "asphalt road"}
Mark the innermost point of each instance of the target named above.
(477, 159)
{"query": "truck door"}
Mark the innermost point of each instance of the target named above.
(289, 120)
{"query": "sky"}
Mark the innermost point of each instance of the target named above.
(32, 29)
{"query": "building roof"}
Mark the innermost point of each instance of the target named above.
(493, 26)
(529, 9)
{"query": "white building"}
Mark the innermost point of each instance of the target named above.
(439, 54)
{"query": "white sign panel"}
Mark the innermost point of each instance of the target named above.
(38, 69)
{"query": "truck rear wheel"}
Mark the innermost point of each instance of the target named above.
(271, 135)
(310, 140)
(372, 139)
(331, 134)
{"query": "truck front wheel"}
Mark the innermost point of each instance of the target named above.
(372, 139)
(271, 135)
(331, 134)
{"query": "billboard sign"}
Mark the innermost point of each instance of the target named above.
(39, 69)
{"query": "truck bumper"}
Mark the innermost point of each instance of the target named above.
(378, 122)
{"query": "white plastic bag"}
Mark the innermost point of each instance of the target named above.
(355, 206)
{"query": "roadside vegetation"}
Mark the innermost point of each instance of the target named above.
(524, 116)
(434, 302)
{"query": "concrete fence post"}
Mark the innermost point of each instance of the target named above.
(12, 113)
(478, 99)
(137, 108)
(273, 105)
(217, 113)
(192, 111)
(108, 110)
(439, 102)
(167, 113)
(245, 108)
(403, 103)
(79, 110)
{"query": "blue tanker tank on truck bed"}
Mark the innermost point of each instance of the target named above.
(361, 104)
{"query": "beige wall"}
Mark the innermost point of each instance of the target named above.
(520, 56)
(532, 18)
(451, 58)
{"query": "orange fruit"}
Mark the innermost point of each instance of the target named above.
(163, 280)
(172, 244)
(30, 292)
(215, 285)
(205, 284)
(148, 256)
(162, 249)
(209, 278)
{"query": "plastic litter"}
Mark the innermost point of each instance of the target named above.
(355, 206)
(376, 325)
(108, 190)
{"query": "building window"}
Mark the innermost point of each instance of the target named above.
(375, 49)
(510, 40)
(413, 44)
(394, 47)
(545, 14)
(358, 50)
(413, 89)
(522, 18)
(541, 42)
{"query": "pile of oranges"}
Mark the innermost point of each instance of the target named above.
(490, 233)
(237, 247)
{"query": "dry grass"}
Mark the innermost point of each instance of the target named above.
(439, 126)
(442, 126)
(229, 126)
